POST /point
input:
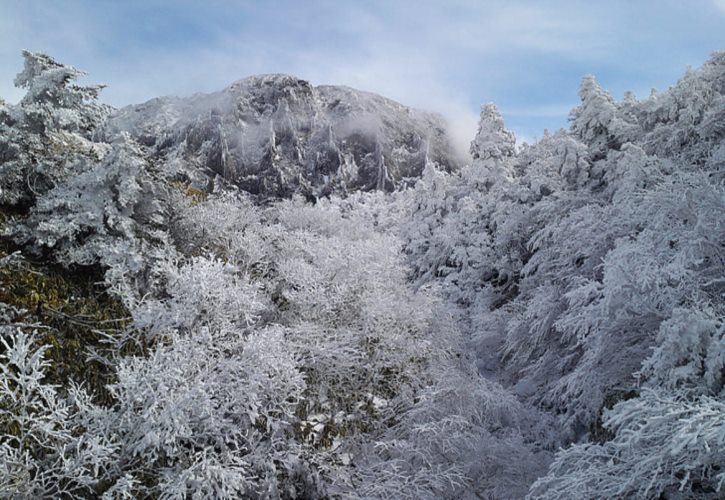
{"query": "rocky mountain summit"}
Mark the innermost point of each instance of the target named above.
(275, 135)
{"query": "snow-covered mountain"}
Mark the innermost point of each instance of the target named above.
(275, 135)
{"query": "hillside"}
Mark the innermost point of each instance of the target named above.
(282, 291)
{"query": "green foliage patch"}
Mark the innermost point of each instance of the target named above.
(71, 312)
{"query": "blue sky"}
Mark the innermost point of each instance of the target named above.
(448, 56)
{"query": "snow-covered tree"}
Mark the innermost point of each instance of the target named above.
(599, 122)
(112, 214)
(45, 449)
(47, 134)
(606, 247)
(666, 446)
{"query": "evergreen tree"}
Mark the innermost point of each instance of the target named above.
(45, 137)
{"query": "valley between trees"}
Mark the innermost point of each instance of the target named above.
(543, 322)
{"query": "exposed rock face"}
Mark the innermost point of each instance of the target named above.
(275, 135)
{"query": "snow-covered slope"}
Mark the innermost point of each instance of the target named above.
(276, 134)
